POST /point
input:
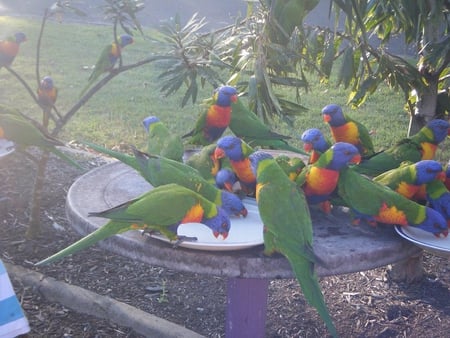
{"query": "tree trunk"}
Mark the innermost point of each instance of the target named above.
(425, 109)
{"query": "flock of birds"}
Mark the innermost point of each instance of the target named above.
(402, 184)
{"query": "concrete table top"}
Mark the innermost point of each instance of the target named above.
(345, 248)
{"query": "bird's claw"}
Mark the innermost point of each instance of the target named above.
(181, 239)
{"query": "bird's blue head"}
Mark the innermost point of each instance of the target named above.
(219, 224)
(232, 204)
(229, 146)
(434, 222)
(148, 121)
(46, 83)
(125, 40)
(343, 154)
(256, 158)
(440, 129)
(333, 115)
(313, 139)
(20, 37)
(225, 179)
(225, 95)
(427, 171)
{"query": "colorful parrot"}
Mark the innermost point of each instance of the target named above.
(162, 210)
(158, 171)
(108, 58)
(345, 129)
(288, 227)
(47, 94)
(211, 124)
(421, 146)
(438, 197)
(447, 176)
(247, 126)
(237, 151)
(292, 166)
(319, 180)
(24, 134)
(315, 143)
(161, 141)
(9, 48)
(205, 162)
(226, 179)
(374, 202)
(409, 178)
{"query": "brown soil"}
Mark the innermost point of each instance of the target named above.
(364, 304)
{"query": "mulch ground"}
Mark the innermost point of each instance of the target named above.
(364, 304)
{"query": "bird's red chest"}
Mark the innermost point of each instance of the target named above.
(194, 214)
(428, 150)
(9, 48)
(407, 190)
(321, 181)
(218, 116)
(243, 170)
(391, 215)
(346, 133)
(47, 97)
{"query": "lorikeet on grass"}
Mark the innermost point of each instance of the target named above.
(161, 141)
(158, 171)
(9, 48)
(237, 151)
(108, 58)
(213, 121)
(315, 143)
(320, 179)
(421, 146)
(47, 94)
(247, 126)
(345, 129)
(24, 134)
(438, 197)
(161, 209)
(374, 202)
(288, 227)
(410, 178)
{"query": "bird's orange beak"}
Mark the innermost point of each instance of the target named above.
(224, 234)
(244, 212)
(219, 153)
(307, 147)
(356, 159)
(234, 98)
(326, 118)
(441, 176)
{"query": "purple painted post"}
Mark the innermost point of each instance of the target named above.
(246, 307)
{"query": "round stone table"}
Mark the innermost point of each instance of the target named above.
(344, 248)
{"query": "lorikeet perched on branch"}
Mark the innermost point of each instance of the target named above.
(108, 58)
(288, 227)
(161, 209)
(421, 146)
(161, 141)
(213, 121)
(374, 202)
(345, 129)
(9, 48)
(47, 94)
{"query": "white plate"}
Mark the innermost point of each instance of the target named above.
(425, 240)
(6, 147)
(244, 232)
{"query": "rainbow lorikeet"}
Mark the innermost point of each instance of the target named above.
(421, 146)
(438, 197)
(237, 151)
(292, 166)
(205, 162)
(320, 179)
(247, 126)
(314, 143)
(226, 179)
(288, 227)
(162, 210)
(108, 58)
(213, 121)
(447, 176)
(409, 178)
(9, 48)
(158, 171)
(47, 94)
(374, 202)
(345, 129)
(25, 134)
(161, 141)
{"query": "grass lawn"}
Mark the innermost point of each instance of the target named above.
(114, 114)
